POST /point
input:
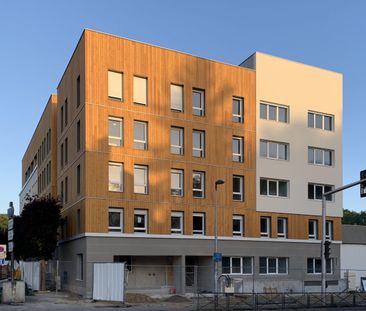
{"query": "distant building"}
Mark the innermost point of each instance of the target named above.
(144, 132)
(353, 256)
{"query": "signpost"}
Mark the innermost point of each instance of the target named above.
(10, 240)
(2, 251)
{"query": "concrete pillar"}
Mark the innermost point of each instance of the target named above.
(183, 274)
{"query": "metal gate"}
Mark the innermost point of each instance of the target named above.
(108, 281)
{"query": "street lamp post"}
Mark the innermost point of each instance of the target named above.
(216, 272)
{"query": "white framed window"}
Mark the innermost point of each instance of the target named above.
(140, 135)
(79, 267)
(238, 109)
(273, 265)
(274, 150)
(177, 140)
(274, 187)
(313, 229)
(314, 266)
(329, 230)
(282, 228)
(176, 97)
(315, 191)
(238, 149)
(238, 225)
(265, 227)
(237, 265)
(115, 219)
(115, 85)
(198, 102)
(115, 131)
(177, 221)
(115, 177)
(198, 148)
(176, 182)
(198, 184)
(323, 157)
(238, 188)
(141, 179)
(320, 121)
(140, 221)
(274, 112)
(199, 223)
(140, 90)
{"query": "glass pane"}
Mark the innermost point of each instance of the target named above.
(272, 265)
(282, 265)
(310, 265)
(272, 150)
(318, 156)
(311, 191)
(272, 112)
(139, 221)
(280, 225)
(115, 131)
(329, 266)
(272, 187)
(264, 225)
(139, 131)
(263, 186)
(197, 181)
(114, 219)
(327, 157)
(282, 185)
(282, 114)
(115, 177)
(328, 123)
(226, 265)
(236, 262)
(318, 121)
(318, 266)
(263, 111)
(318, 192)
(311, 227)
(236, 225)
(197, 223)
(310, 120)
(237, 110)
(262, 265)
(247, 265)
(327, 189)
(176, 222)
(176, 141)
(263, 149)
(310, 155)
(282, 151)
(140, 180)
(236, 184)
(197, 103)
(140, 90)
(176, 93)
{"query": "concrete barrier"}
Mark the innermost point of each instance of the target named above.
(13, 296)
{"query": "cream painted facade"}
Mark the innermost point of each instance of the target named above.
(302, 88)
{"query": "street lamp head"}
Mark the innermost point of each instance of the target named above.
(218, 182)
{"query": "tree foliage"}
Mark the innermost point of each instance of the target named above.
(35, 230)
(354, 218)
(3, 229)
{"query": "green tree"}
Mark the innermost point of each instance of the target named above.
(354, 218)
(3, 228)
(35, 230)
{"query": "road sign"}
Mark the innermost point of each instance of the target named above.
(2, 251)
(10, 224)
(11, 210)
(217, 257)
(10, 235)
(10, 246)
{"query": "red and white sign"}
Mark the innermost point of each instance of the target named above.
(2, 251)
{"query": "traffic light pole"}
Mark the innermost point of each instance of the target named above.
(324, 214)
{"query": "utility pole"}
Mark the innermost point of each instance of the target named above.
(362, 183)
(11, 243)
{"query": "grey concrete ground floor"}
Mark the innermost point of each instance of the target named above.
(168, 265)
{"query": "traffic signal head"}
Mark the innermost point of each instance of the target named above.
(363, 184)
(327, 249)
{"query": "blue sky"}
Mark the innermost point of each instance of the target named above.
(38, 38)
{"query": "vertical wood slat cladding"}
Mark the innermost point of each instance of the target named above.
(161, 67)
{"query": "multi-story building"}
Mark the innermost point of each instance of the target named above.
(144, 133)
(38, 163)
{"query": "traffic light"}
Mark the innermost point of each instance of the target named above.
(327, 249)
(363, 184)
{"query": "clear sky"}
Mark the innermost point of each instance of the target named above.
(38, 38)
